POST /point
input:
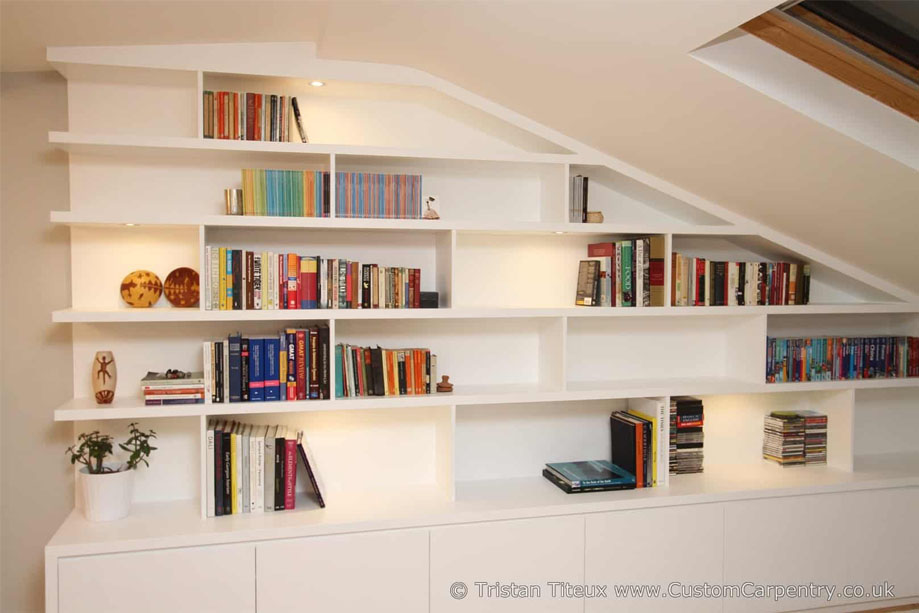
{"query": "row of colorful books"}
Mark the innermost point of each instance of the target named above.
(250, 280)
(285, 193)
(687, 420)
(253, 469)
(838, 358)
(377, 195)
(292, 365)
(636, 436)
(366, 371)
(625, 273)
(793, 438)
(251, 116)
(173, 388)
(701, 282)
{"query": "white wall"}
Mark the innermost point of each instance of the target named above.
(35, 355)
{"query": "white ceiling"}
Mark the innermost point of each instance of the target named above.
(614, 74)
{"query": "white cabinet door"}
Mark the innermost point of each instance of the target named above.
(188, 580)
(885, 530)
(794, 541)
(500, 566)
(674, 547)
(378, 571)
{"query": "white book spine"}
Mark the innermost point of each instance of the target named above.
(663, 427)
(206, 359)
(209, 471)
(215, 278)
(226, 370)
(260, 473)
(257, 281)
(207, 277)
(238, 494)
(244, 472)
(253, 471)
(269, 470)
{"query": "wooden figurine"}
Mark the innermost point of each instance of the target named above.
(104, 377)
(444, 384)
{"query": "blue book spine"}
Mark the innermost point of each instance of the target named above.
(339, 386)
(272, 371)
(235, 347)
(229, 276)
(256, 369)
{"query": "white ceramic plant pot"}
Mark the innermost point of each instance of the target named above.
(107, 496)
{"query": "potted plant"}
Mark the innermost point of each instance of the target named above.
(108, 487)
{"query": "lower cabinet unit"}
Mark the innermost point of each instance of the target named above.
(372, 571)
(673, 548)
(194, 579)
(507, 565)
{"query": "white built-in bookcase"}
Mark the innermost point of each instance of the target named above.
(536, 377)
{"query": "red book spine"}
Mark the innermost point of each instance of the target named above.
(411, 289)
(601, 250)
(417, 288)
(250, 116)
(301, 365)
(290, 473)
(347, 286)
(312, 280)
(220, 124)
(355, 285)
(235, 115)
(699, 298)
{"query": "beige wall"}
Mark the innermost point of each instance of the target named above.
(35, 355)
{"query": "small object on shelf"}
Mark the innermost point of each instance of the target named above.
(588, 476)
(108, 487)
(182, 287)
(234, 200)
(577, 199)
(299, 121)
(430, 300)
(141, 289)
(444, 384)
(104, 377)
(687, 418)
(430, 208)
(173, 387)
(588, 277)
(594, 217)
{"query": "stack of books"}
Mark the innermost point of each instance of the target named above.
(378, 196)
(292, 365)
(686, 420)
(589, 476)
(285, 193)
(815, 429)
(253, 469)
(365, 371)
(841, 358)
(161, 389)
(577, 199)
(783, 438)
(237, 279)
(250, 116)
(702, 282)
(628, 273)
(635, 443)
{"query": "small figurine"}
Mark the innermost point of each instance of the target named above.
(430, 208)
(444, 384)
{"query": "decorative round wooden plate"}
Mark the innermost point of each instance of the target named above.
(182, 287)
(141, 288)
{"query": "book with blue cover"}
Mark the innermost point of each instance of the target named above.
(587, 476)
(272, 369)
(256, 369)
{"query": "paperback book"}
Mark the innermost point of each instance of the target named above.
(701, 282)
(366, 371)
(839, 358)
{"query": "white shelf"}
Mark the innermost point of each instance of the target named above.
(178, 524)
(168, 146)
(167, 314)
(328, 223)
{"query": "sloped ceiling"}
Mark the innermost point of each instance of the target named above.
(614, 74)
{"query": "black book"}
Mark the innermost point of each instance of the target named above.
(279, 452)
(226, 494)
(366, 365)
(622, 439)
(403, 388)
(365, 286)
(244, 369)
(218, 470)
(718, 272)
(565, 487)
(761, 276)
(376, 367)
(217, 392)
(324, 363)
(356, 360)
(273, 128)
(325, 194)
(584, 200)
(238, 288)
(741, 282)
(427, 372)
(235, 374)
(297, 118)
(304, 457)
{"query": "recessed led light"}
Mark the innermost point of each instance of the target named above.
(130, 225)
(558, 232)
(317, 83)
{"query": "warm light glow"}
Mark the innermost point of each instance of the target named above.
(317, 83)
(130, 225)
(559, 232)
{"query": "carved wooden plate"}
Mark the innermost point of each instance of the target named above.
(141, 289)
(182, 287)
